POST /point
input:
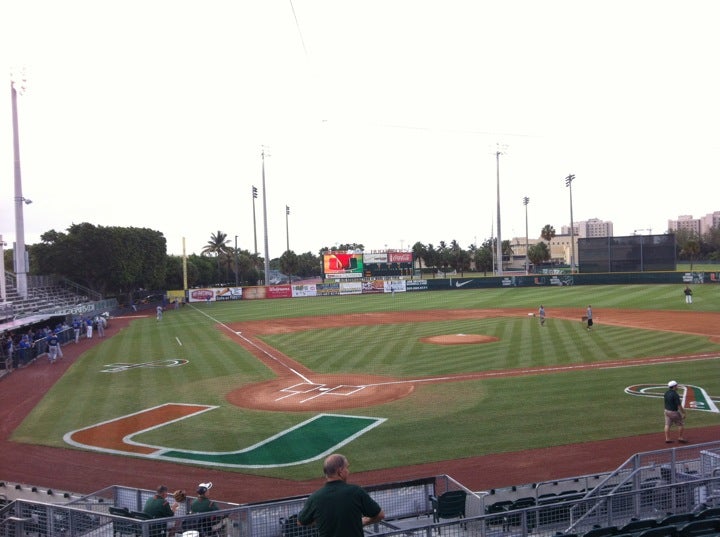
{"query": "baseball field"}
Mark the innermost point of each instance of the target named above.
(264, 389)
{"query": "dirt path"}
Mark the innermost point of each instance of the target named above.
(84, 472)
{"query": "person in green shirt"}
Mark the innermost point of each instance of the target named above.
(203, 504)
(158, 506)
(339, 509)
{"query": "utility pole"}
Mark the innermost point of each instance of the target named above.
(499, 237)
(287, 228)
(526, 200)
(254, 195)
(267, 248)
(568, 183)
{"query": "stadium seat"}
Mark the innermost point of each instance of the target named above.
(450, 504)
(668, 530)
(602, 531)
(710, 512)
(707, 526)
(124, 527)
(676, 519)
(498, 508)
(638, 525)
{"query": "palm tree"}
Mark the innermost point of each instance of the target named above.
(217, 246)
(548, 233)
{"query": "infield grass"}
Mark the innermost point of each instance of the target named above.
(436, 422)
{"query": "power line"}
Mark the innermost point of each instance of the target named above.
(297, 25)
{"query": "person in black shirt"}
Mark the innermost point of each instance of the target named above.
(674, 413)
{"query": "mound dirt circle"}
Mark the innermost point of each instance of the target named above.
(459, 339)
(323, 392)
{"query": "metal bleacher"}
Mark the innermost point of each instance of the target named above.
(44, 294)
(681, 485)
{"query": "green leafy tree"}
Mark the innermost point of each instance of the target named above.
(109, 260)
(309, 265)
(289, 263)
(538, 253)
(484, 257)
(689, 244)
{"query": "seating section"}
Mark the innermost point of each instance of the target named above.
(680, 525)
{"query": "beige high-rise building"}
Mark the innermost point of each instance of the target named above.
(590, 228)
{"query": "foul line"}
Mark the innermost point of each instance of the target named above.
(255, 345)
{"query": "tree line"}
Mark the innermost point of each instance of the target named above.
(118, 261)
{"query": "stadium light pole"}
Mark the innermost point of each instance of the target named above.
(568, 183)
(267, 249)
(21, 261)
(254, 197)
(287, 228)
(3, 294)
(526, 200)
(499, 238)
(236, 263)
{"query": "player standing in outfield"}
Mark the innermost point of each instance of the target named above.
(688, 294)
(588, 314)
(541, 313)
(674, 413)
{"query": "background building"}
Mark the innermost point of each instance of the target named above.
(699, 226)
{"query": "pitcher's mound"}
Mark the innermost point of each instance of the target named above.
(459, 339)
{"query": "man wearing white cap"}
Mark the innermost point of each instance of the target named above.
(202, 503)
(674, 413)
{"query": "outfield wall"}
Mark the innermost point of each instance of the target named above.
(380, 286)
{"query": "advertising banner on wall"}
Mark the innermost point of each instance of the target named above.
(212, 294)
(228, 293)
(350, 288)
(201, 295)
(278, 291)
(304, 290)
(416, 285)
(328, 289)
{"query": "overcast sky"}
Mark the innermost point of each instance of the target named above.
(381, 118)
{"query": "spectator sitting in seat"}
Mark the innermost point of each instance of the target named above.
(158, 506)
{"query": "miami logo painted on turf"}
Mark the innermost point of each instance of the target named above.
(307, 441)
(692, 397)
(116, 368)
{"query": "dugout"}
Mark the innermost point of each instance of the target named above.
(634, 253)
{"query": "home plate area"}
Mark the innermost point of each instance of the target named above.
(309, 391)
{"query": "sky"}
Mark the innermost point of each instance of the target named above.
(381, 121)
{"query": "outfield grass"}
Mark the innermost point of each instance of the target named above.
(436, 422)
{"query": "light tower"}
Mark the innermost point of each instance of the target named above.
(498, 152)
(267, 249)
(21, 262)
(568, 183)
(526, 200)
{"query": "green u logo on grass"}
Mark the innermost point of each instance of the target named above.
(305, 442)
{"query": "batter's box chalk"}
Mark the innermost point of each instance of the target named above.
(303, 387)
